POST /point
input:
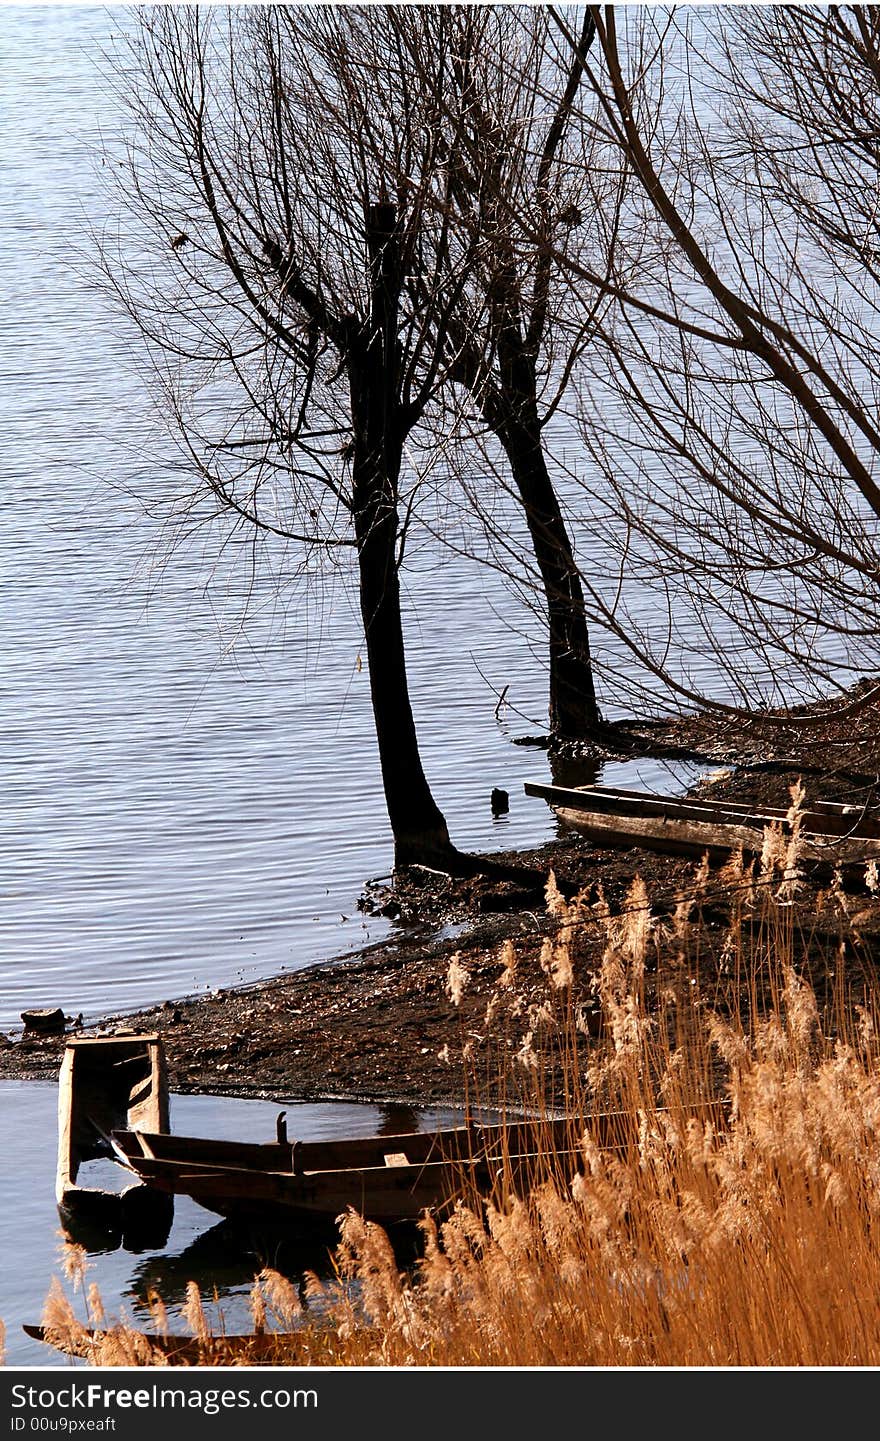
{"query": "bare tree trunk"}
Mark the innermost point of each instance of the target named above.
(573, 709)
(512, 413)
(420, 832)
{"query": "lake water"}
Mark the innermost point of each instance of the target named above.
(189, 798)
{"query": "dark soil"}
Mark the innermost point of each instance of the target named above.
(379, 1024)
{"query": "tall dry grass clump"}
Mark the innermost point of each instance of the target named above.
(739, 1233)
(730, 1215)
(717, 1199)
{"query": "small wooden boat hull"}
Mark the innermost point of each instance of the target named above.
(832, 836)
(311, 1203)
(252, 1348)
(389, 1179)
(104, 1083)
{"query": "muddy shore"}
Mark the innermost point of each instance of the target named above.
(379, 1023)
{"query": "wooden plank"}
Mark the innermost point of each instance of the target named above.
(67, 1163)
(597, 799)
(134, 1042)
(662, 833)
(847, 809)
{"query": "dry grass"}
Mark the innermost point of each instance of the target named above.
(746, 1235)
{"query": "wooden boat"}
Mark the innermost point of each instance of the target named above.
(389, 1179)
(105, 1083)
(310, 1183)
(833, 836)
(250, 1348)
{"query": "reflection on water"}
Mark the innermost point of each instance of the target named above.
(395, 1119)
(221, 1257)
(569, 770)
(227, 1258)
(144, 1225)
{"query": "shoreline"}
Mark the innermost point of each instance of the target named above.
(367, 1025)
(377, 1023)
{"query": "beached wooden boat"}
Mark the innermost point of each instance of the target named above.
(105, 1083)
(387, 1179)
(833, 835)
(249, 1348)
(310, 1183)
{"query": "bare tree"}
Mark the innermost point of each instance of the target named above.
(263, 259)
(473, 82)
(503, 100)
(734, 418)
